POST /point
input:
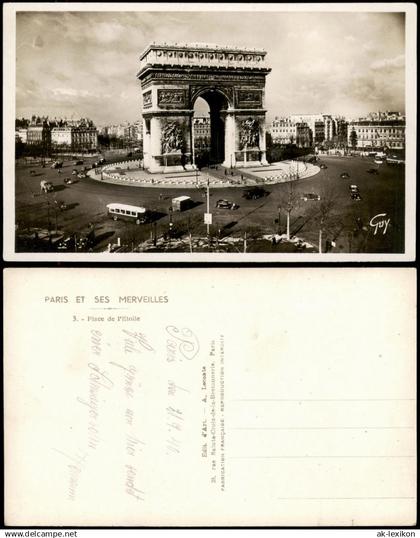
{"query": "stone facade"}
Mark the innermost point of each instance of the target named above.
(231, 80)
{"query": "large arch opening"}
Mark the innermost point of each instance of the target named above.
(209, 128)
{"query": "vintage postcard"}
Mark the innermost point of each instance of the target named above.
(207, 397)
(210, 132)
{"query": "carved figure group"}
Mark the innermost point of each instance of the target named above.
(147, 99)
(172, 138)
(249, 133)
(171, 97)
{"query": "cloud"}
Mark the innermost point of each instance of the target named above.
(108, 32)
(73, 92)
(389, 63)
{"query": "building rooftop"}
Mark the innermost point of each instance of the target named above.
(378, 122)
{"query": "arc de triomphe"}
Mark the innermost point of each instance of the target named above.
(231, 80)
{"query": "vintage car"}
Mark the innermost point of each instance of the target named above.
(67, 243)
(310, 196)
(62, 206)
(46, 186)
(226, 204)
(254, 193)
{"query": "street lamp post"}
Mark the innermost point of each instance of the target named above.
(154, 233)
(49, 220)
(56, 220)
(170, 222)
(208, 205)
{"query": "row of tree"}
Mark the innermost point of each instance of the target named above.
(278, 152)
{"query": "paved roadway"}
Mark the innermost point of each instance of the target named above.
(87, 200)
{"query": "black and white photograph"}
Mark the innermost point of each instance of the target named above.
(194, 132)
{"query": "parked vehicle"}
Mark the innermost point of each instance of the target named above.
(118, 211)
(226, 204)
(62, 206)
(46, 186)
(323, 166)
(57, 164)
(254, 193)
(74, 172)
(67, 243)
(354, 188)
(78, 163)
(378, 161)
(68, 180)
(395, 161)
(181, 203)
(86, 241)
(311, 196)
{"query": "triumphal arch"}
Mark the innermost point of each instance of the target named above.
(231, 80)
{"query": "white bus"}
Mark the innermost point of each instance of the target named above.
(128, 212)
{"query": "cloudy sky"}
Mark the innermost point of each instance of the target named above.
(85, 63)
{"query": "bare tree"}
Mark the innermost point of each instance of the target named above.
(325, 217)
(289, 201)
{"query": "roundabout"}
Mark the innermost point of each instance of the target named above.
(131, 173)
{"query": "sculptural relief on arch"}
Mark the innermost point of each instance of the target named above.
(232, 82)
